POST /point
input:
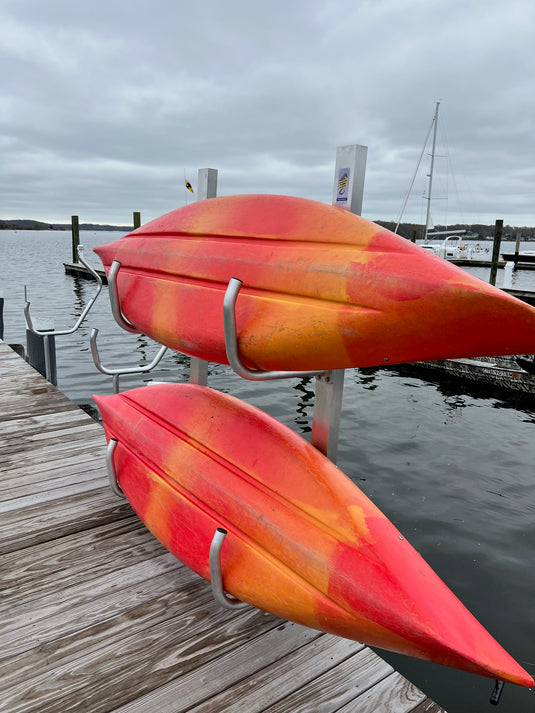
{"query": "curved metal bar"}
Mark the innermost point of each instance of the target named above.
(216, 577)
(110, 466)
(231, 342)
(124, 370)
(83, 315)
(114, 299)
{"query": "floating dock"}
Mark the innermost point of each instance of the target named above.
(97, 617)
(76, 269)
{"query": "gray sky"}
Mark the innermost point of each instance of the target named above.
(105, 105)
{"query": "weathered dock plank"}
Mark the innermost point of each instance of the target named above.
(304, 678)
(98, 617)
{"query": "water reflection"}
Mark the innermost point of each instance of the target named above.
(79, 288)
(305, 403)
(451, 387)
(365, 377)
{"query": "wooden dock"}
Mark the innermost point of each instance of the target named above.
(98, 617)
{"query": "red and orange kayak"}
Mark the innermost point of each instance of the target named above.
(322, 289)
(303, 543)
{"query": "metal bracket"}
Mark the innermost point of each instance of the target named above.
(57, 333)
(61, 332)
(114, 299)
(116, 373)
(231, 342)
(496, 693)
(216, 577)
(110, 467)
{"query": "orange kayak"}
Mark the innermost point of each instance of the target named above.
(322, 289)
(303, 542)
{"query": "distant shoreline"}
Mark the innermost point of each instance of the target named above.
(406, 230)
(40, 225)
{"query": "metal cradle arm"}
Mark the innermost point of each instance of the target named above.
(83, 315)
(116, 373)
(216, 576)
(231, 342)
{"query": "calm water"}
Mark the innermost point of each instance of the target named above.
(450, 465)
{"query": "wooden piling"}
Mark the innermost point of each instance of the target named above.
(1, 314)
(137, 219)
(498, 231)
(75, 230)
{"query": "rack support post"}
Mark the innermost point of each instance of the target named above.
(349, 173)
(41, 349)
(206, 188)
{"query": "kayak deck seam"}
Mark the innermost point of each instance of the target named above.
(223, 521)
(247, 288)
(194, 443)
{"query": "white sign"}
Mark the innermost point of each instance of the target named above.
(342, 193)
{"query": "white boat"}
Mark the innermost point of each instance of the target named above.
(448, 251)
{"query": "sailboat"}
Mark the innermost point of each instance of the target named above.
(514, 373)
(445, 249)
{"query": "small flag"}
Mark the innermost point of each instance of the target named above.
(188, 186)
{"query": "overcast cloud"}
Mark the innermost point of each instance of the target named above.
(106, 104)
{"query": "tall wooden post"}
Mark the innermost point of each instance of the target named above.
(348, 191)
(136, 219)
(206, 188)
(498, 231)
(75, 231)
(1, 314)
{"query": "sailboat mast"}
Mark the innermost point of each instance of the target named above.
(435, 120)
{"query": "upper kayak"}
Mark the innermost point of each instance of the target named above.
(322, 289)
(304, 542)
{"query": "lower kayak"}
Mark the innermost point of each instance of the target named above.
(304, 542)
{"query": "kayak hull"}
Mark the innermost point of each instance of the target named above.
(303, 542)
(322, 289)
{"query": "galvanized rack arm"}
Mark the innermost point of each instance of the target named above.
(115, 301)
(110, 467)
(47, 333)
(83, 315)
(116, 373)
(231, 342)
(216, 576)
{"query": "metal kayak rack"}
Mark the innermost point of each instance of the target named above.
(231, 342)
(117, 372)
(47, 333)
(329, 384)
